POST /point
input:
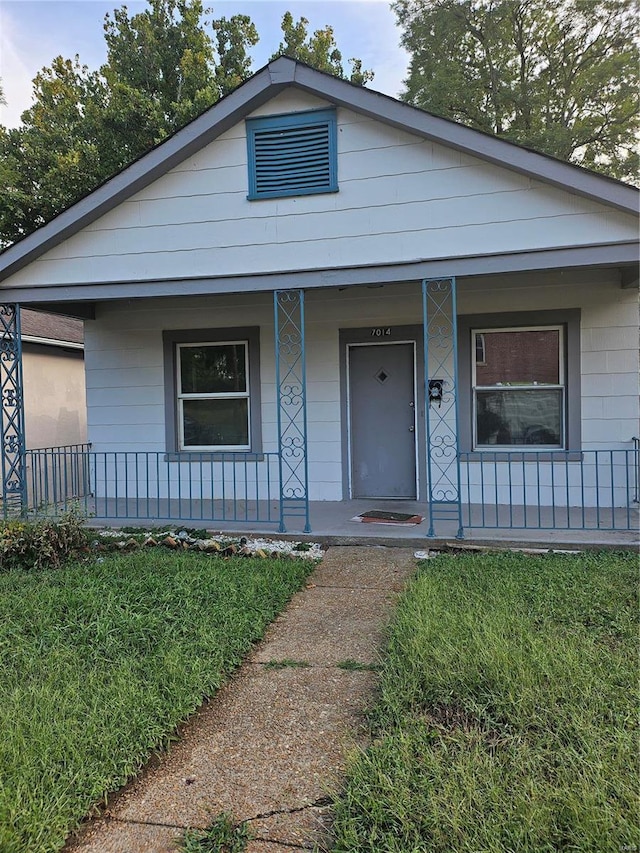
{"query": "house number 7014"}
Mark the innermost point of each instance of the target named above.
(380, 332)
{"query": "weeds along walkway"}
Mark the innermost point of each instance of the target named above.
(271, 745)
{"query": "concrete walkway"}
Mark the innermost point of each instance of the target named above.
(271, 745)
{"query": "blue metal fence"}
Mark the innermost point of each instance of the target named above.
(590, 490)
(126, 486)
(57, 475)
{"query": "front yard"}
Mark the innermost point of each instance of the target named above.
(102, 659)
(507, 719)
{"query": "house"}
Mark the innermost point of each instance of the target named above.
(316, 293)
(55, 411)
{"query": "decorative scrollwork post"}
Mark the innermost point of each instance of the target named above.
(292, 406)
(441, 401)
(12, 412)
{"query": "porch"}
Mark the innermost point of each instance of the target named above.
(528, 500)
(300, 475)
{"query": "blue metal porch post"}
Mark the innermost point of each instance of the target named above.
(14, 492)
(441, 401)
(291, 387)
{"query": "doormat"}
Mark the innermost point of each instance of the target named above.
(375, 516)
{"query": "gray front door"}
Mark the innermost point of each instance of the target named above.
(382, 421)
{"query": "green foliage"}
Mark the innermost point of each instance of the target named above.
(287, 663)
(165, 66)
(233, 37)
(40, 544)
(160, 70)
(507, 714)
(559, 77)
(222, 836)
(101, 660)
(318, 50)
(48, 162)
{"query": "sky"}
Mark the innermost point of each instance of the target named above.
(33, 32)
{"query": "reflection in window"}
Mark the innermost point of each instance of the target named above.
(213, 396)
(518, 388)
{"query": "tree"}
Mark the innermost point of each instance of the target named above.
(163, 69)
(47, 163)
(561, 78)
(233, 36)
(165, 66)
(318, 50)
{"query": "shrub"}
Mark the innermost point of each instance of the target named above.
(40, 544)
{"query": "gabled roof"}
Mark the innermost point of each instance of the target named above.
(263, 86)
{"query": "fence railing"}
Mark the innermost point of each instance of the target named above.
(588, 490)
(230, 487)
(56, 475)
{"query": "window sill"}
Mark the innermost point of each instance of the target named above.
(214, 456)
(519, 455)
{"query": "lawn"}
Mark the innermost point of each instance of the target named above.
(102, 659)
(507, 717)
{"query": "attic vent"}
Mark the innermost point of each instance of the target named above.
(292, 154)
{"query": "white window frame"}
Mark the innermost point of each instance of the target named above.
(229, 395)
(562, 386)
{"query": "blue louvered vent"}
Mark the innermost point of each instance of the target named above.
(292, 154)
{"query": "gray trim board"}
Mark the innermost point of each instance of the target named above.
(604, 255)
(570, 319)
(188, 336)
(263, 86)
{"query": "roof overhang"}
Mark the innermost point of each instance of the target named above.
(617, 255)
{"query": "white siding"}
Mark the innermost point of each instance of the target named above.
(124, 357)
(401, 198)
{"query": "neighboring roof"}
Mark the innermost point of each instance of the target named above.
(38, 327)
(262, 87)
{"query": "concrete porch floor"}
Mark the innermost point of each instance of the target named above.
(331, 523)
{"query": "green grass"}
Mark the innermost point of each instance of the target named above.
(287, 662)
(507, 717)
(101, 660)
(223, 835)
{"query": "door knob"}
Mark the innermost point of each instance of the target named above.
(412, 429)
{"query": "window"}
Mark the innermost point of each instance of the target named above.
(293, 154)
(213, 396)
(518, 383)
(212, 390)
